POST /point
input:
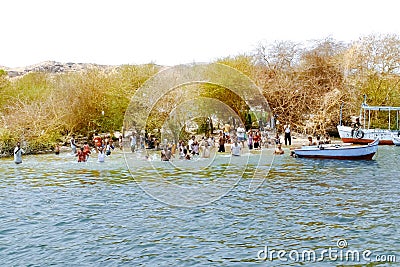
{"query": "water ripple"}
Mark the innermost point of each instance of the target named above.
(58, 212)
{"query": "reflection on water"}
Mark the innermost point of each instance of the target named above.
(55, 211)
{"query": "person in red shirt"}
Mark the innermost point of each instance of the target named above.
(86, 149)
(82, 155)
(97, 141)
(256, 140)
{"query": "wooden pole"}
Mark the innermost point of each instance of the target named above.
(369, 118)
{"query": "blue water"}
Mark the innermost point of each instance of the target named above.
(55, 211)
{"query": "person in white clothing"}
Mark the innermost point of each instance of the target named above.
(206, 150)
(133, 142)
(235, 149)
(73, 145)
(240, 132)
(288, 138)
(18, 153)
(101, 156)
(190, 143)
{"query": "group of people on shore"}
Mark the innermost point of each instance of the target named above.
(237, 140)
(288, 140)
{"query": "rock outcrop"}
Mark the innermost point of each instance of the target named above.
(52, 67)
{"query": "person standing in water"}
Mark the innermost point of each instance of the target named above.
(165, 154)
(82, 155)
(279, 150)
(221, 142)
(235, 148)
(18, 153)
(86, 148)
(73, 145)
(97, 142)
(240, 132)
(101, 156)
(57, 149)
(120, 140)
(133, 142)
(109, 146)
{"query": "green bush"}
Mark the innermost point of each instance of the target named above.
(8, 140)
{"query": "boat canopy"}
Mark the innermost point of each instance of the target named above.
(380, 108)
(365, 107)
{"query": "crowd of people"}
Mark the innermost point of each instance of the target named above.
(235, 139)
(102, 147)
(188, 149)
(195, 147)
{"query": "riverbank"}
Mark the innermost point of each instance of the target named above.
(297, 141)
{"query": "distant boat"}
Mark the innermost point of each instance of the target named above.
(396, 141)
(344, 152)
(365, 135)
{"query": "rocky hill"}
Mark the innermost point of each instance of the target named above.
(52, 67)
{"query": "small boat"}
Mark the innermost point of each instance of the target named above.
(396, 140)
(365, 135)
(345, 152)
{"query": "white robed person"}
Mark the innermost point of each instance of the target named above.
(235, 149)
(133, 142)
(205, 148)
(18, 153)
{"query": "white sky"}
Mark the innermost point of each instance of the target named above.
(172, 32)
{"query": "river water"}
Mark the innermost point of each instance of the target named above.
(55, 211)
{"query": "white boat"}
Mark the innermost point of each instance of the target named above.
(366, 135)
(345, 152)
(396, 140)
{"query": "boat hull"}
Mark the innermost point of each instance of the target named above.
(362, 157)
(365, 152)
(366, 136)
(396, 141)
